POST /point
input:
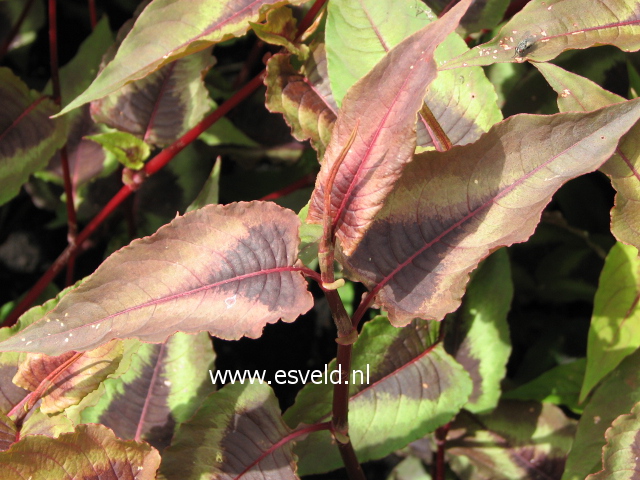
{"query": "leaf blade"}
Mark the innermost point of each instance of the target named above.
(225, 269)
(450, 210)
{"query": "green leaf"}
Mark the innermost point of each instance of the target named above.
(167, 30)
(210, 191)
(359, 34)
(401, 387)
(89, 452)
(620, 454)
(560, 386)
(226, 269)
(163, 387)
(540, 31)
(234, 428)
(616, 395)
(615, 324)
(128, 149)
(517, 441)
(28, 137)
(480, 321)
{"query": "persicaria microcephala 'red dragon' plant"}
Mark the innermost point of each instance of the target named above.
(419, 183)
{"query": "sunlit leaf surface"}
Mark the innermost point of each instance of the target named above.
(28, 137)
(413, 388)
(390, 97)
(620, 455)
(518, 441)
(223, 269)
(167, 30)
(576, 93)
(450, 210)
(545, 28)
(92, 451)
(162, 388)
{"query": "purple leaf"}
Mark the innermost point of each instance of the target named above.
(450, 210)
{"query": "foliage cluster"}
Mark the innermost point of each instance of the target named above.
(436, 135)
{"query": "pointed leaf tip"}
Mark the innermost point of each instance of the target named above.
(227, 269)
(167, 30)
(391, 95)
(449, 210)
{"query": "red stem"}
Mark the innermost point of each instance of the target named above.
(150, 168)
(310, 16)
(93, 16)
(305, 181)
(438, 466)
(4, 47)
(72, 223)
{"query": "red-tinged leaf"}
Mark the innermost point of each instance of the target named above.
(167, 30)
(304, 98)
(8, 432)
(450, 210)
(545, 28)
(235, 431)
(92, 451)
(11, 394)
(620, 455)
(359, 34)
(225, 269)
(518, 441)
(576, 93)
(162, 106)
(383, 106)
(28, 137)
(75, 382)
(162, 388)
(402, 386)
(280, 29)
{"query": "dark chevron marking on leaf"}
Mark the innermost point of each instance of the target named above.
(28, 137)
(450, 210)
(414, 387)
(228, 270)
(234, 427)
(162, 106)
(306, 103)
(517, 440)
(167, 30)
(162, 387)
